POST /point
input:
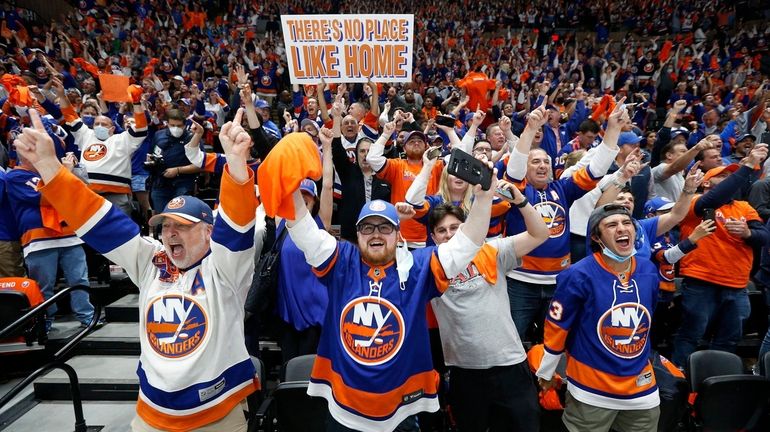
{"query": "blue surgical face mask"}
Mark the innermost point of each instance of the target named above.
(612, 255)
(101, 132)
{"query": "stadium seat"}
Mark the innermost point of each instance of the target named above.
(255, 399)
(764, 365)
(289, 406)
(710, 363)
(15, 301)
(727, 399)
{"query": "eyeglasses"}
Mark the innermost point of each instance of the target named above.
(367, 228)
(482, 150)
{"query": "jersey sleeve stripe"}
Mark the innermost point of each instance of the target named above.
(442, 282)
(584, 179)
(72, 198)
(238, 202)
(328, 265)
(555, 337)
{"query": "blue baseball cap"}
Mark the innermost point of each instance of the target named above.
(628, 138)
(185, 209)
(679, 131)
(380, 208)
(260, 103)
(746, 136)
(657, 204)
(309, 186)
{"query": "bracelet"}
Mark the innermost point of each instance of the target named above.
(689, 191)
(178, 171)
(523, 203)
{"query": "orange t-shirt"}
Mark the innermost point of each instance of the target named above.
(401, 174)
(720, 258)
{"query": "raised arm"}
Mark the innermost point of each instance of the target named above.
(517, 164)
(457, 253)
(376, 155)
(327, 184)
(536, 231)
(678, 212)
(415, 195)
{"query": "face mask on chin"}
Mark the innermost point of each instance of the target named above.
(614, 256)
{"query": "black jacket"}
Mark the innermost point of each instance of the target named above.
(353, 191)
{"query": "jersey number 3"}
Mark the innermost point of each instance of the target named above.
(555, 311)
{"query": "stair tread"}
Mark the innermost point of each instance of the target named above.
(58, 416)
(115, 330)
(94, 369)
(128, 301)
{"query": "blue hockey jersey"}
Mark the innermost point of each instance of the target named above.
(602, 320)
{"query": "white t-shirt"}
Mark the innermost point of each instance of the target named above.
(669, 188)
(477, 331)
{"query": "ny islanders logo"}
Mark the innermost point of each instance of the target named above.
(176, 325)
(554, 216)
(94, 152)
(624, 329)
(371, 330)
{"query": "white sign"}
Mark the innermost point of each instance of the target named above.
(348, 48)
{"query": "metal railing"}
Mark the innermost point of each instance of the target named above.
(59, 358)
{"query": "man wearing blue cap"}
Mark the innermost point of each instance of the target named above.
(263, 109)
(194, 370)
(374, 365)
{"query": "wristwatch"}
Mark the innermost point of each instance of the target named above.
(523, 203)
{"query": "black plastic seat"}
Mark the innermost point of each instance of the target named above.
(709, 363)
(727, 399)
(764, 365)
(732, 402)
(289, 407)
(13, 305)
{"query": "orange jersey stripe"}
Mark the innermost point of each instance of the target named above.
(238, 201)
(554, 336)
(108, 188)
(174, 423)
(42, 234)
(608, 383)
(583, 179)
(71, 197)
(141, 120)
(544, 264)
(442, 283)
(373, 404)
(328, 267)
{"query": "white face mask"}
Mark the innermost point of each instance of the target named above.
(101, 132)
(176, 132)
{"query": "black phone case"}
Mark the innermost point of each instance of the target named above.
(445, 121)
(470, 169)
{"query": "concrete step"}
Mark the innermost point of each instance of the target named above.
(58, 416)
(103, 378)
(114, 338)
(125, 309)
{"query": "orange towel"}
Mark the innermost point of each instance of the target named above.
(292, 160)
(86, 66)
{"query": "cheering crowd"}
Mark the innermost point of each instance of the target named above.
(623, 173)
